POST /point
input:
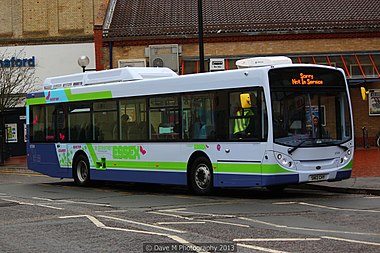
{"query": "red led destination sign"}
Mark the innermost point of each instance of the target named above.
(306, 79)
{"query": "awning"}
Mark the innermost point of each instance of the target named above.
(359, 67)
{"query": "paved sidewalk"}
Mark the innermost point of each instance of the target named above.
(365, 175)
(355, 185)
(15, 164)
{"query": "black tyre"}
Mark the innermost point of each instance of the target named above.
(378, 141)
(201, 177)
(81, 170)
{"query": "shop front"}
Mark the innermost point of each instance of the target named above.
(45, 61)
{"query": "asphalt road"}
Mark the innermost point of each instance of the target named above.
(42, 214)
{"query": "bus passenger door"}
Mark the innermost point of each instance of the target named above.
(240, 164)
(60, 126)
(240, 161)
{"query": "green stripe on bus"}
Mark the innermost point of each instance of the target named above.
(251, 168)
(273, 169)
(174, 166)
(36, 101)
(92, 152)
(348, 166)
(87, 96)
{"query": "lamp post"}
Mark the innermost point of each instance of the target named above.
(83, 61)
(200, 34)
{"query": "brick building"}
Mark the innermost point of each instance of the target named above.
(54, 34)
(342, 33)
(39, 22)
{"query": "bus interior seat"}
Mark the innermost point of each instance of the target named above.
(115, 132)
(196, 133)
(82, 132)
(143, 127)
(206, 132)
(134, 131)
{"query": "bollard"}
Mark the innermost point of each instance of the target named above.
(366, 138)
(363, 131)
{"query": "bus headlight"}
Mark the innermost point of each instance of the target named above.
(284, 160)
(346, 156)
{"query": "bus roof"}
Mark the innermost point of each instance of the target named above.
(137, 82)
(263, 61)
(106, 76)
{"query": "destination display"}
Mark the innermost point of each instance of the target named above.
(306, 77)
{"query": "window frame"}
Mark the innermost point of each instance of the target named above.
(221, 136)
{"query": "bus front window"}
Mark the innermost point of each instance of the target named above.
(311, 118)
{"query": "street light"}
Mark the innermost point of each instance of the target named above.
(83, 61)
(200, 35)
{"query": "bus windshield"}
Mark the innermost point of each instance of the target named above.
(310, 116)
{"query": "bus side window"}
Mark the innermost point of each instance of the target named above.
(199, 116)
(163, 116)
(245, 115)
(80, 122)
(37, 125)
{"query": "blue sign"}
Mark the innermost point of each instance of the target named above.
(17, 62)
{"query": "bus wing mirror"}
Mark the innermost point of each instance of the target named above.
(245, 100)
(364, 93)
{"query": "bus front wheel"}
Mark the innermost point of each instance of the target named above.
(201, 178)
(81, 171)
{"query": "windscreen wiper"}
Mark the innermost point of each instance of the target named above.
(290, 151)
(343, 147)
(339, 145)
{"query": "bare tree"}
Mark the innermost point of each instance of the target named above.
(16, 79)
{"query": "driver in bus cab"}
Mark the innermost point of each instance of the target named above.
(244, 122)
(317, 130)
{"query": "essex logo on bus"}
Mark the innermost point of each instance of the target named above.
(128, 152)
(306, 79)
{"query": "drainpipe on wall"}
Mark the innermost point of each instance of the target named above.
(110, 45)
(200, 37)
(98, 33)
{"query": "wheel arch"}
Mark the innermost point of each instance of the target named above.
(75, 157)
(191, 160)
(81, 175)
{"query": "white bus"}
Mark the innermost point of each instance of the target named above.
(271, 125)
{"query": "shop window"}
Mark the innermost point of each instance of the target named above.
(356, 70)
(367, 66)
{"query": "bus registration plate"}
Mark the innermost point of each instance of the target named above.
(317, 177)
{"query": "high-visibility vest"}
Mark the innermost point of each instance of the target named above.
(242, 123)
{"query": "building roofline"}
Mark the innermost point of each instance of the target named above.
(143, 40)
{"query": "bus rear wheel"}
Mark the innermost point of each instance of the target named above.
(201, 178)
(81, 171)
